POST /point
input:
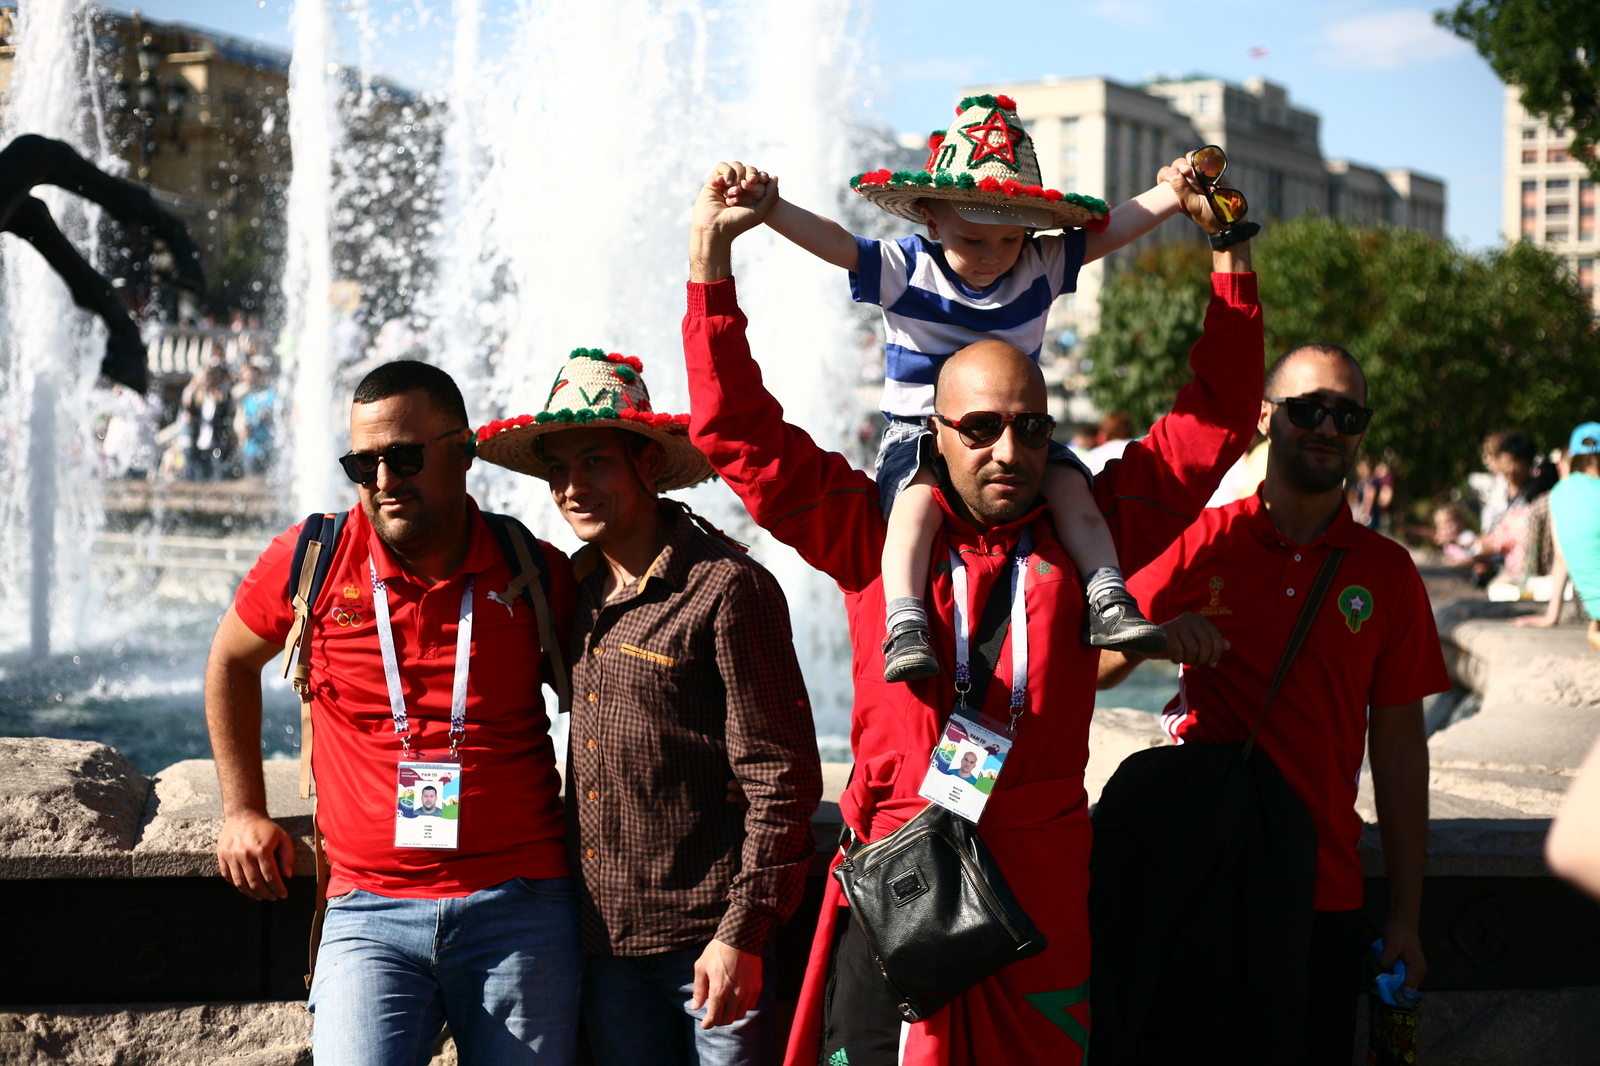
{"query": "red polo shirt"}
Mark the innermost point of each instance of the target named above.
(1373, 644)
(511, 817)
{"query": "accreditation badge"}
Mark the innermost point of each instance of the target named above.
(428, 805)
(965, 765)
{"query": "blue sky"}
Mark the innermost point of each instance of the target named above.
(1392, 89)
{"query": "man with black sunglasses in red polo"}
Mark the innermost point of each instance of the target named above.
(448, 896)
(1233, 587)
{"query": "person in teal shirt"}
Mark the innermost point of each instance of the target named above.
(1575, 514)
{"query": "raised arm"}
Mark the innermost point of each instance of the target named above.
(822, 237)
(1175, 190)
(810, 499)
(1131, 220)
(1162, 483)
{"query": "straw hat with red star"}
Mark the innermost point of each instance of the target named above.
(596, 390)
(986, 166)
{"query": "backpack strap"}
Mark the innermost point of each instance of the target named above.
(308, 570)
(313, 555)
(530, 579)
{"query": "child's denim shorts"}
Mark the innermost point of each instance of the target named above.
(908, 443)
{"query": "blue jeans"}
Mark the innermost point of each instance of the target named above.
(636, 1010)
(501, 966)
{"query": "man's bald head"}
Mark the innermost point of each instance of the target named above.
(987, 367)
(1330, 353)
(996, 482)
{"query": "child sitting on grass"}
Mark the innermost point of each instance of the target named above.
(981, 273)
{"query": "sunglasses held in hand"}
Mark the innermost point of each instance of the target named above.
(979, 429)
(403, 460)
(1229, 205)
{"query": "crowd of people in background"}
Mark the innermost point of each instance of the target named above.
(218, 425)
(1499, 532)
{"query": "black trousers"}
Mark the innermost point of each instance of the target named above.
(860, 1022)
(1336, 961)
(859, 1017)
(1340, 941)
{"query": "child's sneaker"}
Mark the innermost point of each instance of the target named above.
(908, 653)
(1117, 623)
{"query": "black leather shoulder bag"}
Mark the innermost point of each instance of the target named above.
(929, 897)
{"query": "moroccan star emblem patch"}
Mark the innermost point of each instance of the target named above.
(1355, 603)
(1053, 1005)
(993, 137)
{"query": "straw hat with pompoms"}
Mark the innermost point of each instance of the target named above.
(986, 166)
(596, 390)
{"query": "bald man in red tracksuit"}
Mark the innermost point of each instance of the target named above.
(1036, 822)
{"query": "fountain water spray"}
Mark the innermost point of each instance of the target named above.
(307, 340)
(49, 353)
(568, 167)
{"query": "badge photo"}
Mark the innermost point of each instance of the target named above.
(962, 772)
(428, 805)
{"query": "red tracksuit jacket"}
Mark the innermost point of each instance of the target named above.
(1036, 822)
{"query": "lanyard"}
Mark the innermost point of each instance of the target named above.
(391, 668)
(1019, 627)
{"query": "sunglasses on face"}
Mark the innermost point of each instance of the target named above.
(403, 460)
(979, 429)
(1307, 413)
(1209, 164)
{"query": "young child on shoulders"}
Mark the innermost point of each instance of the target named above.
(980, 273)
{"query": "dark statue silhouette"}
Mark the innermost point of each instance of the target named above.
(31, 160)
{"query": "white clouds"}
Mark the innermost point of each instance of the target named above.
(1386, 40)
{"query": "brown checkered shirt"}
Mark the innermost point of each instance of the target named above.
(683, 683)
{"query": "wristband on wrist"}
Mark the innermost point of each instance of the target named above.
(1234, 235)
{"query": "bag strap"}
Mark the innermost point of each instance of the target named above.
(529, 579)
(313, 555)
(319, 913)
(990, 637)
(1302, 626)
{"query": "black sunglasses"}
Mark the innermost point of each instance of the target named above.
(1348, 418)
(1209, 164)
(403, 460)
(979, 429)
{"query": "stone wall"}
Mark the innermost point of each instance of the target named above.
(125, 947)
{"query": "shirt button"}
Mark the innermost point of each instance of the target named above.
(593, 794)
(588, 853)
(589, 744)
(1291, 592)
(592, 697)
(1297, 558)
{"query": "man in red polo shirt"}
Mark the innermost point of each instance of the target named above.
(1233, 586)
(463, 912)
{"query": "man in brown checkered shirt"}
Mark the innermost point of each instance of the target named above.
(686, 692)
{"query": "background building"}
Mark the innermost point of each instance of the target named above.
(1097, 137)
(203, 120)
(1549, 196)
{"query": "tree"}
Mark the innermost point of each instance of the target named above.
(1551, 50)
(1150, 317)
(1454, 344)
